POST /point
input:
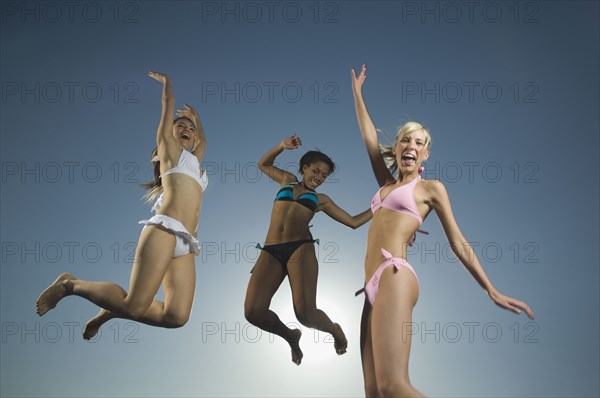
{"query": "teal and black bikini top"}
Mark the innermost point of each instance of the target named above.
(308, 199)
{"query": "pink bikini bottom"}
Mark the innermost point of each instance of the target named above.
(372, 287)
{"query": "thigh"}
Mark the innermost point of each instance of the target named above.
(366, 351)
(152, 257)
(391, 324)
(179, 285)
(303, 272)
(265, 279)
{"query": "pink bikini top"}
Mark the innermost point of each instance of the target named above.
(401, 199)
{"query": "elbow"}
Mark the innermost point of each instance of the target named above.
(264, 166)
(460, 250)
(354, 224)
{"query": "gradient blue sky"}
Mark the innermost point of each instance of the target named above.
(508, 89)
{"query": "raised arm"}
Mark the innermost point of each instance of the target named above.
(265, 164)
(328, 206)
(461, 248)
(164, 133)
(191, 114)
(368, 131)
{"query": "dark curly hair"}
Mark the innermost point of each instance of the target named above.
(312, 157)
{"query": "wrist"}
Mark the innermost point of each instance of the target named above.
(492, 292)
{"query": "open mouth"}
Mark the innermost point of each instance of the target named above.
(185, 136)
(408, 159)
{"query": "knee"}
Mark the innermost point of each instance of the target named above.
(395, 388)
(176, 319)
(252, 314)
(135, 311)
(305, 316)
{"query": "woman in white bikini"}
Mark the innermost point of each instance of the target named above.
(167, 244)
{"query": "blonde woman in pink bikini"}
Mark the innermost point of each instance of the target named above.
(392, 286)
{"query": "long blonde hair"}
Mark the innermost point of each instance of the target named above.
(388, 150)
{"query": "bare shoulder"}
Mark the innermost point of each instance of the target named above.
(323, 198)
(434, 189)
(288, 178)
(432, 185)
(325, 202)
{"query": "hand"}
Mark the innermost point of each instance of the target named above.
(357, 82)
(511, 304)
(292, 142)
(188, 112)
(161, 77)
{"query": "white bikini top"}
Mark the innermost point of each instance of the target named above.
(188, 164)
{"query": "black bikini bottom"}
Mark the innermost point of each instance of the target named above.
(284, 251)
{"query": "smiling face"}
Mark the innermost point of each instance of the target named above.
(314, 174)
(185, 133)
(315, 167)
(412, 148)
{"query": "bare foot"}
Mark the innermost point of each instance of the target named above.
(53, 294)
(340, 342)
(93, 325)
(295, 345)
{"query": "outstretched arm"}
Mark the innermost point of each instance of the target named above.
(265, 164)
(441, 204)
(191, 114)
(164, 133)
(368, 131)
(327, 205)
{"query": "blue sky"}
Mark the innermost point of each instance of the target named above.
(509, 91)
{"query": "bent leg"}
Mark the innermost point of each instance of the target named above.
(266, 278)
(391, 321)
(152, 258)
(303, 272)
(179, 285)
